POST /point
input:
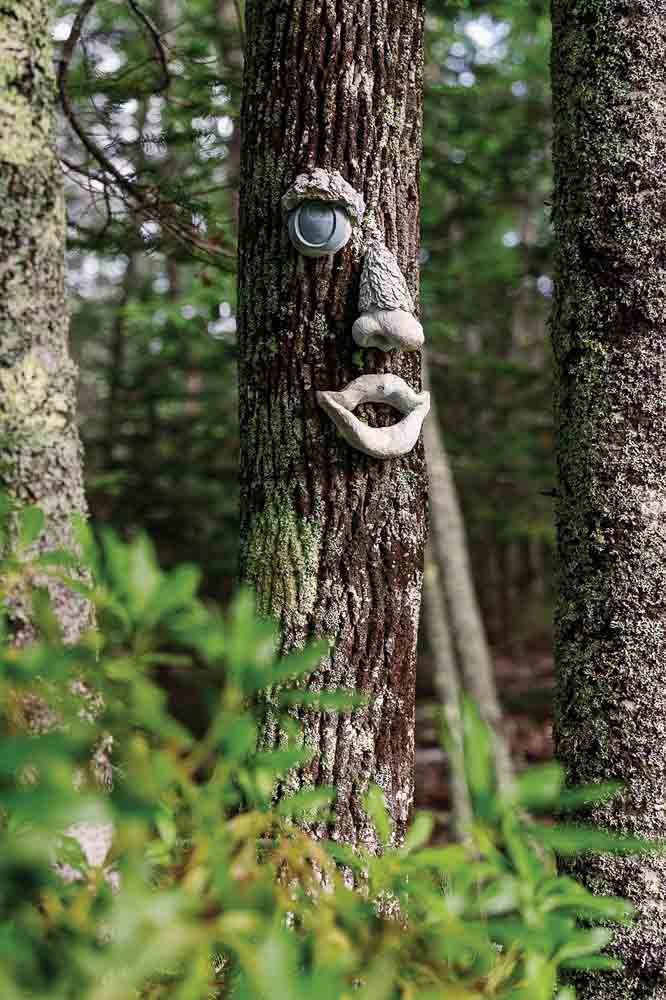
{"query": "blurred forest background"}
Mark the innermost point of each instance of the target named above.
(153, 301)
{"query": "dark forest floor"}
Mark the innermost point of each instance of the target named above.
(525, 684)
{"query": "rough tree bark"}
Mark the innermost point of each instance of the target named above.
(608, 328)
(40, 450)
(332, 541)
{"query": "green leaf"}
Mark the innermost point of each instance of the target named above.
(378, 982)
(375, 806)
(143, 574)
(300, 663)
(281, 761)
(116, 561)
(7, 505)
(23, 751)
(57, 558)
(540, 787)
(30, 526)
(526, 862)
(44, 616)
(238, 736)
(273, 962)
(585, 943)
(345, 855)
(419, 832)
(166, 826)
(250, 644)
(479, 761)
(79, 587)
(502, 896)
(175, 591)
(592, 963)
(85, 539)
(589, 795)
(620, 911)
(310, 800)
(323, 701)
(445, 859)
(573, 840)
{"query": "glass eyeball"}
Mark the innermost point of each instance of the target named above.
(319, 228)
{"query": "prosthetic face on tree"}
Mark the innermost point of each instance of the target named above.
(323, 214)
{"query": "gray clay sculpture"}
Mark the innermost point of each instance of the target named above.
(379, 442)
(322, 210)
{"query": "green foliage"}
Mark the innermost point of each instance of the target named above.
(153, 323)
(485, 287)
(220, 892)
(155, 331)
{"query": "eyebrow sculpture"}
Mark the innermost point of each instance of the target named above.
(322, 185)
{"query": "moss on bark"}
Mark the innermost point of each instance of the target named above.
(608, 327)
(40, 450)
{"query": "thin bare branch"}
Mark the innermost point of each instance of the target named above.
(241, 23)
(146, 201)
(157, 44)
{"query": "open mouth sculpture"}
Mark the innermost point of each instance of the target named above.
(379, 442)
(322, 213)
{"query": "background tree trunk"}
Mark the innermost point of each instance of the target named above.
(447, 684)
(467, 630)
(332, 541)
(39, 441)
(40, 449)
(608, 327)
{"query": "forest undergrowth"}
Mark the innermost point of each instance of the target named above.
(210, 889)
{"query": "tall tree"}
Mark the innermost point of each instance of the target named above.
(447, 683)
(608, 328)
(39, 441)
(40, 450)
(332, 540)
(472, 654)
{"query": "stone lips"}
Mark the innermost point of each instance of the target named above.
(378, 442)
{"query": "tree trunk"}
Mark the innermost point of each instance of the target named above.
(469, 637)
(608, 328)
(332, 540)
(39, 441)
(447, 683)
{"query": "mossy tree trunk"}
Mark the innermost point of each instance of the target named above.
(40, 452)
(609, 338)
(332, 541)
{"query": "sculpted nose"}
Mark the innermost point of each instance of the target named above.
(389, 330)
(387, 319)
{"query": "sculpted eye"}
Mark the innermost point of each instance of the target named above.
(319, 228)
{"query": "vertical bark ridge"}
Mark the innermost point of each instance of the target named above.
(332, 541)
(608, 327)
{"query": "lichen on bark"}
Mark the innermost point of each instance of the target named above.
(40, 450)
(609, 318)
(282, 560)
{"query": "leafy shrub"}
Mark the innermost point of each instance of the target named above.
(221, 894)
